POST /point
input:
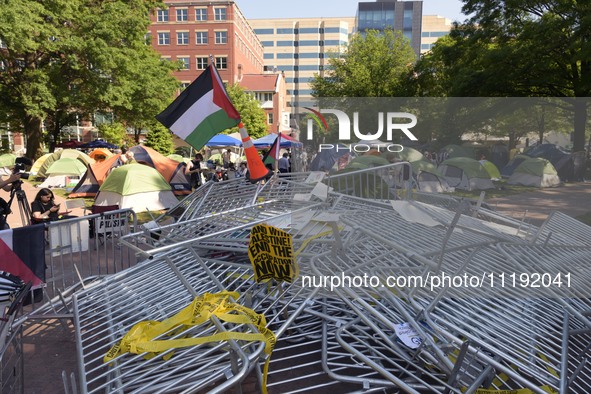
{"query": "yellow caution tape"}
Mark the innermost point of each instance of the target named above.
(547, 389)
(140, 338)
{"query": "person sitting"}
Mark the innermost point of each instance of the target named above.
(242, 170)
(43, 208)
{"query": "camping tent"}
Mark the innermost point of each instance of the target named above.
(71, 153)
(98, 144)
(100, 152)
(466, 174)
(535, 172)
(38, 163)
(327, 158)
(453, 151)
(171, 170)
(428, 177)
(179, 158)
(66, 166)
(492, 170)
(367, 161)
(138, 187)
(7, 160)
(222, 140)
(562, 161)
(95, 176)
(507, 171)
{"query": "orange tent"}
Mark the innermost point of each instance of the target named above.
(100, 152)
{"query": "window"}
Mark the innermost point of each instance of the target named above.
(182, 38)
(269, 118)
(269, 56)
(221, 63)
(264, 31)
(200, 14)
(268, 43)
(221, 37)
(184, 85)
(285, 43)
(162, 15)
(182, 15)
(219, 14)
(201, 62)
(201, 37)
(164, 38)
(185, 63)
(284, 31)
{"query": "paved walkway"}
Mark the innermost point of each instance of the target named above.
(572, 199)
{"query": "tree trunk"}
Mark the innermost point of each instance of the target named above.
(34, 133)
(542, 126)
(580, 122)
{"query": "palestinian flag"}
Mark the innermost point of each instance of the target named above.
(23, 253)
(273, 154)
(201, 111)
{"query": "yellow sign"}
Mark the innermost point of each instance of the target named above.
(270, 251)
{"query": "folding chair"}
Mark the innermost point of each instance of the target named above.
(99, 227)
(77, 203)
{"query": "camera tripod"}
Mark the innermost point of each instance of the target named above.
(23, 204)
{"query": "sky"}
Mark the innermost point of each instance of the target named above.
(257, 9)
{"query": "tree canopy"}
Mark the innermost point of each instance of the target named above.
(516, 49)
(159, 138)
(252, 114)
(79, 56)
(372, 65)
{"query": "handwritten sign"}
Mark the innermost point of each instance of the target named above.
(270, 251)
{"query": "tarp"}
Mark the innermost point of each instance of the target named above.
(171, 170)
(267, 141)
(466, 174)
(222, 140)
(138, 187)
(66, 166)
(536, 172)
(71, 153)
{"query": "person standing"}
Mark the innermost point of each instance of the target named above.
(284, 164)
(193, 171)
(227, 158)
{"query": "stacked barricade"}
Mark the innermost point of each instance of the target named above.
(374, 307)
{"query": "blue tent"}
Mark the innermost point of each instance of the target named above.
(223, 140)
(267, 141)
(98, 144)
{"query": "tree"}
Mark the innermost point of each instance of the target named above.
(373, 65)
(251, 113)
(159, 138)
(517, 49)
(85, 56)
(113, 133)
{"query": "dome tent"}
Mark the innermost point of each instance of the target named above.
(535, 172)
(466, 174)
(66, 153)
(492, 170)
(138, 187)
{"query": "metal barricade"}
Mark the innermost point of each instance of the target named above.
(79, 250)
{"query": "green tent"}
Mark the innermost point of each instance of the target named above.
(367, 161)
(65, 153)
(409, 154)
(7, 160)
(136, 186)
(466, 174)
(66, 166)
(454, 151)
(536, 172)
(492, 170)
(179, 158)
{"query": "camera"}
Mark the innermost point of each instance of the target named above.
(19, 167)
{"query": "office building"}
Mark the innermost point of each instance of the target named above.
(434, 27)
(404, 16)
